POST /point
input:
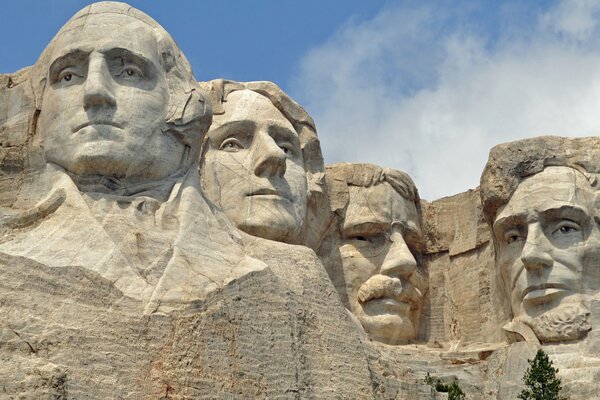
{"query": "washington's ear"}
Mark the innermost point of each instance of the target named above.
(192, 119)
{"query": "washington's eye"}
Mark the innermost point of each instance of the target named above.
(566, 227)
(131, 71)
(361, 238)
(67, 76)
(231, 144)
(287, 148)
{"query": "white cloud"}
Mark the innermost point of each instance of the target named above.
(425, 90)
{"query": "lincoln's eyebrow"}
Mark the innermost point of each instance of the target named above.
(510, 220)
(567, 211)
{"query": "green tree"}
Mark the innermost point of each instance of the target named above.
(540, 380)
(454, 391)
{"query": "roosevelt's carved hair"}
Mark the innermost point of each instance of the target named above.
(188, 113)
(341, 175)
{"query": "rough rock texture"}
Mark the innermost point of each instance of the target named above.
(133, 285)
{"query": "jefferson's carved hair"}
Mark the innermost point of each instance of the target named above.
(188, 113)
(303, 124)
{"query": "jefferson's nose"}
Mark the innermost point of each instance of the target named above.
(269, 158)
(535, 254)
(98, 84)
(399, 261)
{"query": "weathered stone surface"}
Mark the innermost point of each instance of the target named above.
(133, 266)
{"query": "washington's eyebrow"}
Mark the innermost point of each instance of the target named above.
(129, 55)
(66, 59)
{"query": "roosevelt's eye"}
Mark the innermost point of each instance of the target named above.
(231, 144)
(512, 236)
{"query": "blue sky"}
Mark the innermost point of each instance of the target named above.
(423, 86)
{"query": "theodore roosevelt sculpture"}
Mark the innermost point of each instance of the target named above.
(541, 207)
(379, 231)
(261, 160)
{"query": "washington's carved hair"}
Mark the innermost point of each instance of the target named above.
(188, 113)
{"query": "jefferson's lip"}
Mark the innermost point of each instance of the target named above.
(93, 123)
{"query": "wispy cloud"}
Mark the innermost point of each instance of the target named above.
(431, 88)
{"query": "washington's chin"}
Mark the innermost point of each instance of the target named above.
(388, 328)
(110, 159)
(287, 230)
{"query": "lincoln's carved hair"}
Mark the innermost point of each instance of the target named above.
(188, 113)
(340, 176)
(509, 163)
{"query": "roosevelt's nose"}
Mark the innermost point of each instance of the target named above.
(399, 261)
(535, 254)
(269, 158)
(98, 89)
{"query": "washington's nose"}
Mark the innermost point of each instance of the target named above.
(535, 250)
(399, 261)
(98, 85)
(269, 158)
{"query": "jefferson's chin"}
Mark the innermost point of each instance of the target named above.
(564, 323)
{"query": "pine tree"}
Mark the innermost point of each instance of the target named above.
(540, 380)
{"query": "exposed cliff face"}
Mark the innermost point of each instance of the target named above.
(154, 293)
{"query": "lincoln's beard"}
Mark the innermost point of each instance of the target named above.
(566, 322)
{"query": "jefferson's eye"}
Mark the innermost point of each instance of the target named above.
(67, 77)
(231, 144)
(287, 148)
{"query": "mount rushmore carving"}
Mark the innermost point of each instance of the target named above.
(164, 237)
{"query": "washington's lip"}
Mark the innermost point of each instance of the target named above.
(93, 123)
(267, 192)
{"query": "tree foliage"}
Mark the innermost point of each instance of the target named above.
(454, 391)
(540, 380)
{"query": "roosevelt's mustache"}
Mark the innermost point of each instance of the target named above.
(383, 286)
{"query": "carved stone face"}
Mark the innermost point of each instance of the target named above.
(381, 236)
(541, 236)
(105, 102)
(253, 168)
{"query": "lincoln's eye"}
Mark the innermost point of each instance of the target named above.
(130, 72)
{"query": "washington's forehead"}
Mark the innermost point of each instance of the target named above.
(553, 188)
(103, 32)
(249, 105)
(378, 204)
